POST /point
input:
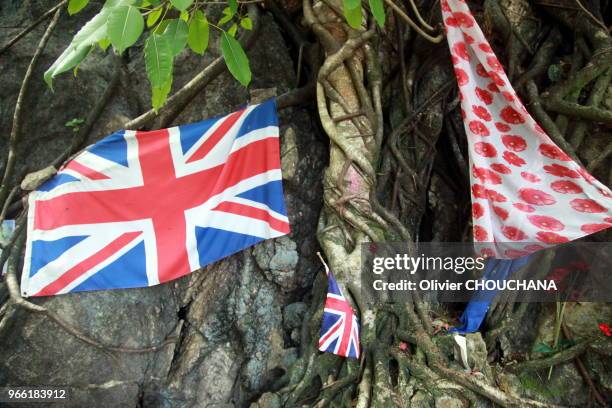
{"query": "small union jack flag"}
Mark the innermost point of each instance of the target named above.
(340, 328)
(141, 208)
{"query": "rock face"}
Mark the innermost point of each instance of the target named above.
(228, 317)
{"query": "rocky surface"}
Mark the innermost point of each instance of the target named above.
(228, 317)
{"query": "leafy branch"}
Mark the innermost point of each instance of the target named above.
(121, 23)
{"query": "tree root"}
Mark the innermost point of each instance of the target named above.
(542, 59)
(596, 162)
(597, 93)
(16, 128)
(32, 26)
(5, 207)
(547, 123)
(488, 391)
(413, 25)
(582, 369)
(365, 386)
(553, 99)
(17, 301)
(556, 359)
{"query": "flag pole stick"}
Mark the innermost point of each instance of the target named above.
(323, 261)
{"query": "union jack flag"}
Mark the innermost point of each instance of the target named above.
(340, 328)
(141, 208)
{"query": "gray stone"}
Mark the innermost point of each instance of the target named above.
(268, 400)
(296, 336)
(293, 315)
(477, 355)
(217, 374)
(278, 260)
(290, 355)
(289, 155)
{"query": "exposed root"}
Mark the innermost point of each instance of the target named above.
(546, 122)
(554, 98)
(32, 26)
(17, 117)
(556, 359)
(413, 25)
(17, 301)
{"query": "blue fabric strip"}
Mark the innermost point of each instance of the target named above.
(476, 310)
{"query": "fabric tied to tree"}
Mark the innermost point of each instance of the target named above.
(340, 327)
(141, 208)
(495, 270)
(527, 194)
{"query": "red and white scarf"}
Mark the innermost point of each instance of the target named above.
(527, 193)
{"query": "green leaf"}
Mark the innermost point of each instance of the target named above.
(246, 23)
(235, 59)
(352, 15)
(184, 16)
(116, 3)
(199, 31)
(176, 33)
(233, 5)
(125, 24)
(104, 43)
(158, 60)
(227, 16)
(378, 11)
(232, 30)
(160, 94)
(87, 37)
(543, 348)
(154, 16)
(74, 122)
(181, 4)
(161, 27)
(74, 6)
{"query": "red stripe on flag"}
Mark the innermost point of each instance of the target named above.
(86, 171)
(255, 158)
(346, 336)
(253, 212)
(217, 135)
(332, 330)
(81, 268)
(343, 305)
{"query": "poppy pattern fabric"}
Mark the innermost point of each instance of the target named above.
(527, 193)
